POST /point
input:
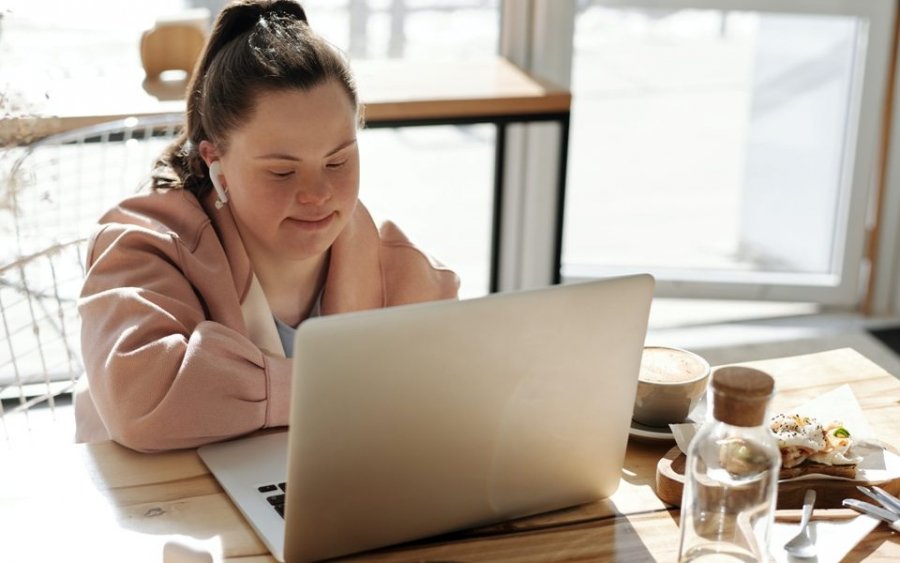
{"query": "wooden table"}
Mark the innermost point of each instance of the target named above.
(392, 90)
(104, 502)
(395, 93)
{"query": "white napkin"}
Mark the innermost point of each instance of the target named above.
(683, 434)
(833, 538)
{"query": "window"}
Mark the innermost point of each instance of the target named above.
(728, 148)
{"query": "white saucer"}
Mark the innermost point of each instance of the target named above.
(650, 433)
(664, 434)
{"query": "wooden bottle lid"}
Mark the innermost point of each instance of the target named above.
(741, 395)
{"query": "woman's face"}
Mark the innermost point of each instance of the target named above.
(292, 172)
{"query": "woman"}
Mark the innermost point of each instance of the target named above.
(253, 225)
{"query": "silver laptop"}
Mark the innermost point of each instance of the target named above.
(422, 419)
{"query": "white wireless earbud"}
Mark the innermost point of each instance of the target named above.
(215, 170)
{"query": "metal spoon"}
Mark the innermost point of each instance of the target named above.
(802, 545)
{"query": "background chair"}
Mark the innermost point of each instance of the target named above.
(52, 195)
(58, 187)
(174, 43)
(169, 52)
(40, 356)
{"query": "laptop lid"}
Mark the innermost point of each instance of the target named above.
(417, 420)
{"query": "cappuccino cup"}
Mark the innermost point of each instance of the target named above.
(670, 384)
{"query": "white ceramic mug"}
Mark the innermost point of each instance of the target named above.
(671, 382)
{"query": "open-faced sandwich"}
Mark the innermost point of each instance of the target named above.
(808, 447)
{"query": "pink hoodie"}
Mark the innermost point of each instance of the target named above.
(179, 345)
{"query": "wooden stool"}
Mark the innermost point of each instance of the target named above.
(174, 43)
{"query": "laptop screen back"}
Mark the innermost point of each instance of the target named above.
(417, 420)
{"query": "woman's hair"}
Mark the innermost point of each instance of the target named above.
(256, 46)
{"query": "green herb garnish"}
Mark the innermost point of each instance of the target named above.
(841, 432)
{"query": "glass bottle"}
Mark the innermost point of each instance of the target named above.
(731, 476)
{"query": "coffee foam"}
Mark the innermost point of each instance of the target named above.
(668, 365)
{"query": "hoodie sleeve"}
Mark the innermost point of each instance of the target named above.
(411, 275)
(161, 374)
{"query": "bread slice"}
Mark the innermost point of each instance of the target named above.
(810, 467)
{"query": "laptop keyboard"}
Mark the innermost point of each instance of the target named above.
(274, 493)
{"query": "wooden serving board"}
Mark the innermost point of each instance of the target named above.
(829, 492)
